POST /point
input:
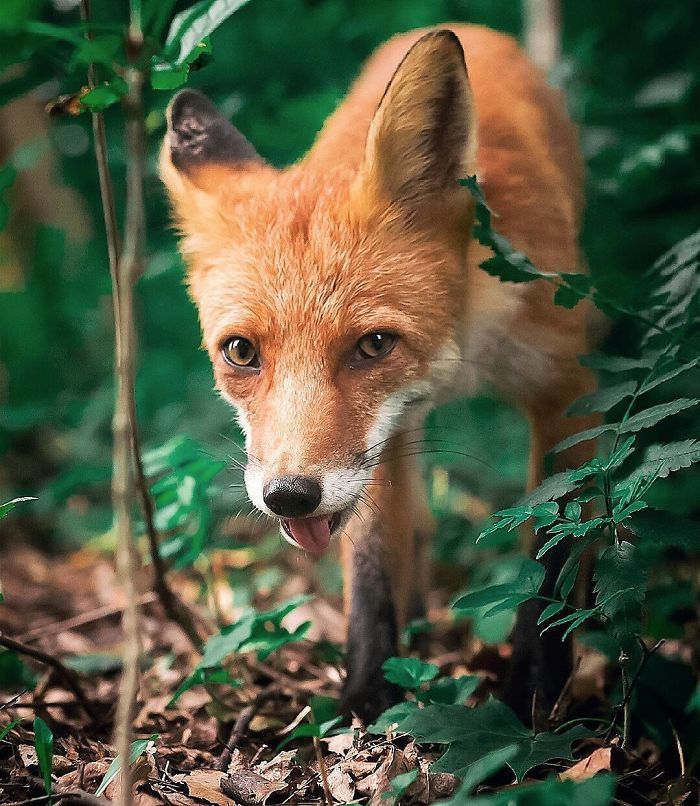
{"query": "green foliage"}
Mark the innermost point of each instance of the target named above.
(507, 596)
(473, 733)
(596, 791)
(43, 744)
(137, 749)
(409, 672)
(182, 474)
(260, 632)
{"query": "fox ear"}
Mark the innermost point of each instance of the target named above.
(422, 138)
(200, 140)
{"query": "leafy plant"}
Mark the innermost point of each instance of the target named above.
(260, 632)
(138, 748)
(43, 744)
(617, 484)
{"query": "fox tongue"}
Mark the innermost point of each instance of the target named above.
(312, 534)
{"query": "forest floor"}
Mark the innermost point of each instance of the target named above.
(220, 745)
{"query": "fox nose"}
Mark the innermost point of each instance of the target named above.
(292, 496)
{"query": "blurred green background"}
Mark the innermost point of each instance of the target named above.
(277, 69)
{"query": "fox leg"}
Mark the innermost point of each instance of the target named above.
(383, 579)
(541, 664)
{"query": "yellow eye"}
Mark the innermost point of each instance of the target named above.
(375, 345)
(239, 352)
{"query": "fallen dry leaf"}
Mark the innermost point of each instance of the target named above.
(205, 785)
(246, 786)
(604, 759)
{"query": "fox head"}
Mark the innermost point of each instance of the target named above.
(330, 294)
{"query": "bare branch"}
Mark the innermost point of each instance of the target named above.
(64, 673)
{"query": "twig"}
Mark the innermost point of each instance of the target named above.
(67, 676)
(240, 726)
(58, 627)
(174, 608)
(554, 713)
(626, 709)
(128, 269)
(69, 796)
(324, 772)
(629, 686)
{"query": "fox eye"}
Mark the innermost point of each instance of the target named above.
(239, 352)
(374, 345)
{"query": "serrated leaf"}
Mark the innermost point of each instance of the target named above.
(550, 611)
(552, 488)
(603, 399)
(43, 744)
(661, 460)
(616, 363)
(472, 733)
(620, 585)
(584, 436)
(655, 414)
(654, 381)
(137, 749)
(409, 672)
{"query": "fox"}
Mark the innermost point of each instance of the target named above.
(341, 298)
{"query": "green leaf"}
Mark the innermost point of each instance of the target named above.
(655, 414)
(550, 611)
(7, 728)
(525, 585)
(616, 363)
(399, 784)
(104, 95)
(621, 581)
(43, 744)
(137, 748)
(261, 632)
(6, 508)
(480, 771)
(195, 23)
(584, 436)
(661, 460)
(14, 674)
(596, 791)
(390, 719)
(201, 677)
(603, 399)
(656, 380)
(450, 690)
(472, 733)
(314, 730)
(409, 672)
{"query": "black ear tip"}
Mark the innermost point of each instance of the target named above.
(190, 105)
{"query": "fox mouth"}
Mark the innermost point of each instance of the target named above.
(313, 534)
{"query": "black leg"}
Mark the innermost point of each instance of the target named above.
(372, 634)
(540, 665)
